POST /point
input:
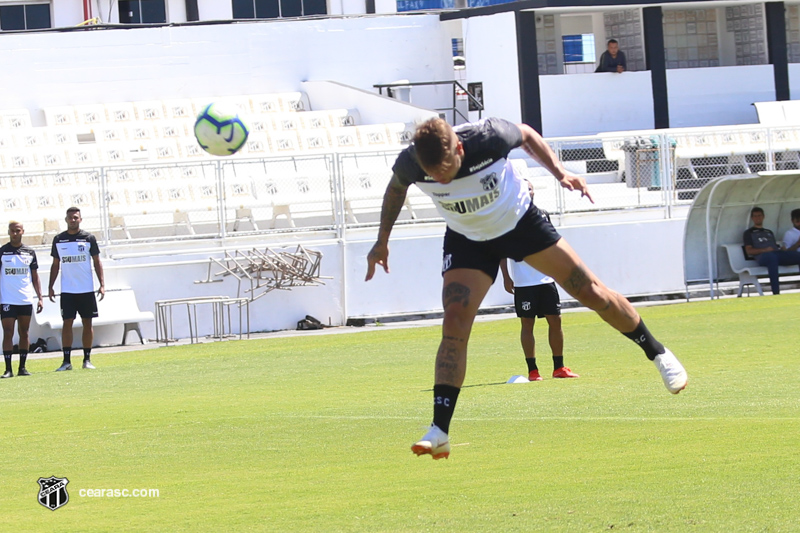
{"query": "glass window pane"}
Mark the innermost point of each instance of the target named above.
(244, 9)
(12, 18)
(315, 7)
(153, 11)
(267, 9)
(129, 11)
(37, 16)
(291, 8)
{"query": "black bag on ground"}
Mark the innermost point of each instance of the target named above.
(309, 322)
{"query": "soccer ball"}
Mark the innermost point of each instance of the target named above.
(219, 130)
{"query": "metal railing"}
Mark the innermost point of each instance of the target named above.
(473, 102)
(334, 192)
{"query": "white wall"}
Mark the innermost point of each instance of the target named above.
(214, 10)
(718, 96)
(372, 108)
(490, 48)
(217, 60)
(794, 81)
(66, 13)
(585, 104)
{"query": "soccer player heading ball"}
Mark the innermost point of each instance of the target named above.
(490, 217)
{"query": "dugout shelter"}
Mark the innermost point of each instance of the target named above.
(721, 212)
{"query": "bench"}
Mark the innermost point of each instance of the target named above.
(117, 307)
(749, 270)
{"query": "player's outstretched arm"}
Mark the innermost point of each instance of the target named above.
(535, 146)
(393, 201)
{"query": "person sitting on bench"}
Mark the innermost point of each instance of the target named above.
(760, 243)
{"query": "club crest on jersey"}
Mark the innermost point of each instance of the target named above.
(81, 247)
(53, 492)
(526, 306)
(489, 181)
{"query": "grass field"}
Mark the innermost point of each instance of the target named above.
(313, 433)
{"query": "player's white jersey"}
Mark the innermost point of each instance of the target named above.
(486, 199)
(16, 285)
(526, 276)
(75, 251)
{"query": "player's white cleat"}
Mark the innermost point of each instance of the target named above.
(435, 443)
(672, 372)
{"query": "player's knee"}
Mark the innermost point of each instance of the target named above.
(595, 297)
(457, 320)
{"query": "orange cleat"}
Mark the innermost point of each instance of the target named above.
(564, 372)
(533, 375)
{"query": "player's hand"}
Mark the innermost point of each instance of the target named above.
(379, 255)
(39, 305)
(52, 295)
(573, 182)
(101, 292)
(508, 285)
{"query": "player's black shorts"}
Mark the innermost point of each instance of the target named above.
(537, 301)
(533, 233)
(14, 311)
(83, 304)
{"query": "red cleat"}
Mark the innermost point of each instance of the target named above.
(564, 372)
(533, 375)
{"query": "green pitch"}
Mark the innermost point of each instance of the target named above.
(313, 433)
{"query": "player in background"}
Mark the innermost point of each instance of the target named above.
(490, 216)
(19, 291)
(536, 296)
(74, 252)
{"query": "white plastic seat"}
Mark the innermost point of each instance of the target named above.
(60, 116)
(14, 119)
(52, 157)
(314, 140)
(165, 150)
(374, 136)
(18, 159)
(400, 134)
(180, 109)
(90, 114)
(149, 110)
(189, 149)
(294, 101)
(29, 138)
(265, 103)
(172, 129)
(257, 145)
(342, 118)
(61, 136)
(141, 132)
(109, 133)
(312, 120)
(83, 155)
(120, 112)
(119, 152)
(285, 142)
(286, 122)
(345, 138)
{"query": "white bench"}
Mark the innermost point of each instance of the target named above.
(749, 270)
(117, 307)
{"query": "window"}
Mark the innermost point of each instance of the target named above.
(25, 16)
(142, 11)
(579, 48)
(271, 9)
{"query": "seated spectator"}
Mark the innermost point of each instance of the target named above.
(791, 239)
(612, 60)
(759, 242)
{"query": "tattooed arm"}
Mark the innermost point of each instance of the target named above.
(393, 201)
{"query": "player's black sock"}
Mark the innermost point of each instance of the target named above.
(642, 336)
(87, 354)
(444, 403)
(67, 356)
(558, 361)
(531, 364)
(23, 356)
(7, 357)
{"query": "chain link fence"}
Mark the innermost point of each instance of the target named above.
(333, 192)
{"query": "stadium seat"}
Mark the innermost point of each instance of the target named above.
(90, 114)
(149, 110)
(344, 138)
(109, 132)
(29, 137)
(123, 112)
(265, 103)
(83, 155)
(286, 122)
(340, 118)
(314, 140)
(14, 119)
(60, 116)
(180, 109)
(61, 136)
(294, 101)
(285, 142)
